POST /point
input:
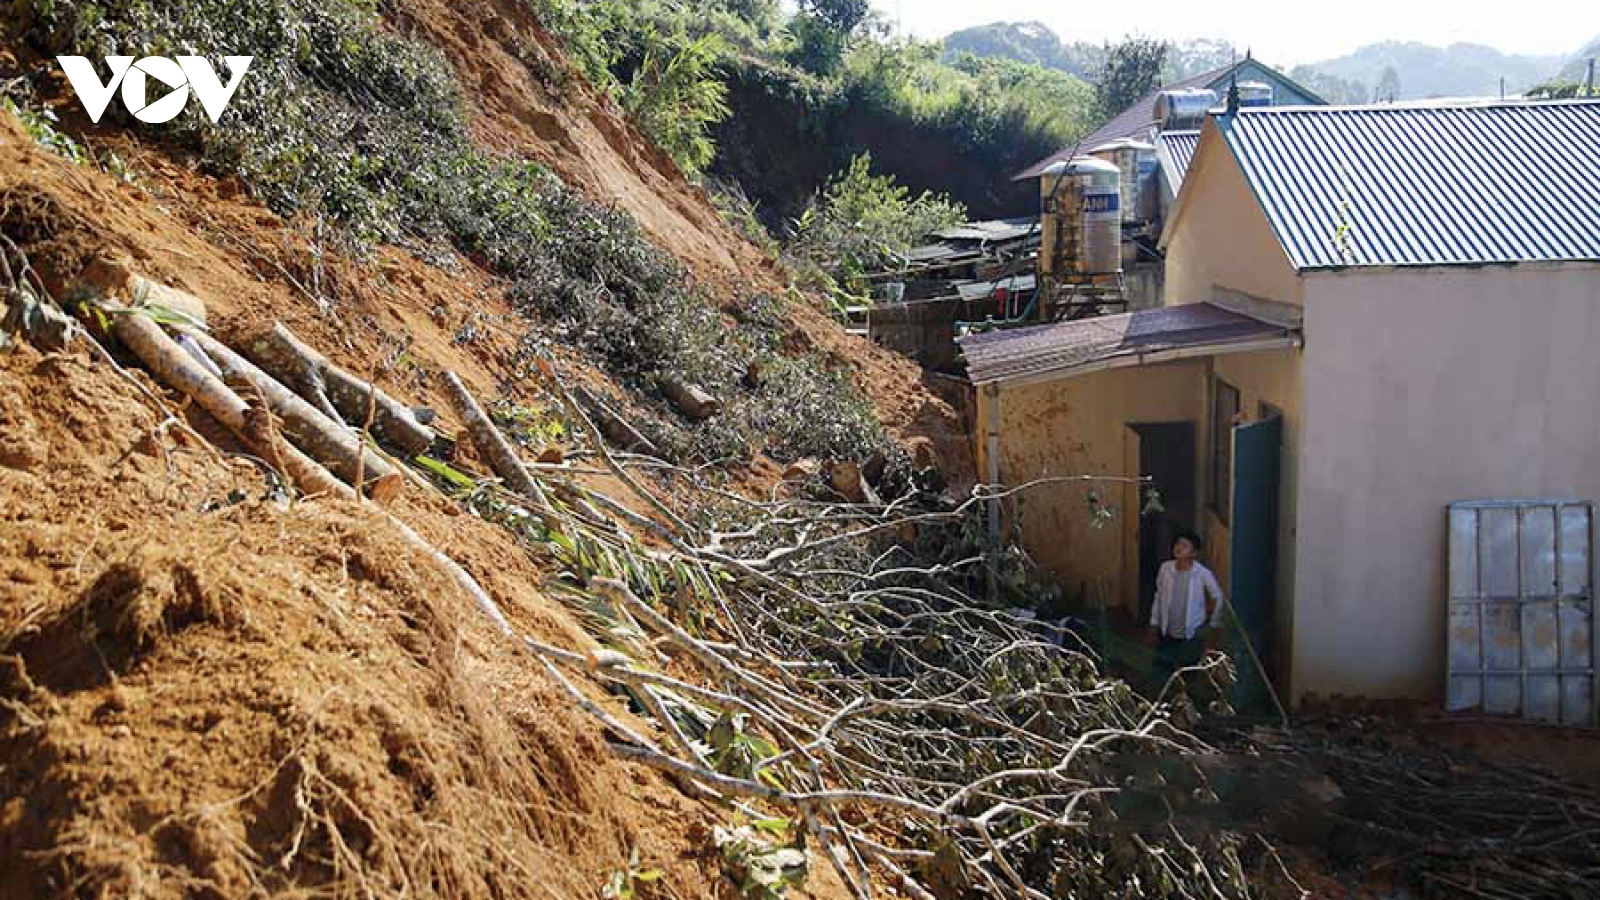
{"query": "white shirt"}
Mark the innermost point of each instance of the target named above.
(1189, 610)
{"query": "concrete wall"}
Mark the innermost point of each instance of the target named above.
(1422, 388)
(1220, 238)
(1078, 426)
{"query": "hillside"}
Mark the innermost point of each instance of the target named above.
(1577, 68)
(1459, 70)
(1035, 43)
(1027, 42)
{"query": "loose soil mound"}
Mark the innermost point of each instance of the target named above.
(206, 694)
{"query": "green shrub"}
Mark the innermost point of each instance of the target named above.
(676, 101)
(863, 222)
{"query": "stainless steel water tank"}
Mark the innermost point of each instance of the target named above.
(1184, 109)
(1255, 93)
(1082, 219)
(1136, 160)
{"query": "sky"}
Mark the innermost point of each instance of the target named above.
(1286, 32)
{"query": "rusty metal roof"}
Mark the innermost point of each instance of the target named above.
(1063, 349)
(1425, 184)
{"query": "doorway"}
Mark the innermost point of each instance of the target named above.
(1167, 457)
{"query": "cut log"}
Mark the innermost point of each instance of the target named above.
(691, 400)
(325, 440)
(116, 282)
(176, 368)
(616, 429)
(179, 370)
(336, 392)
(492, 445)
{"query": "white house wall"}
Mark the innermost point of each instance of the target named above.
(1425, 387)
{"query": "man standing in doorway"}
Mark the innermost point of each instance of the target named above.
(1188, 604)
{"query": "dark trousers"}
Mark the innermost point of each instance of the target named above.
(1173, 654)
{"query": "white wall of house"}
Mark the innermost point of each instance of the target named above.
(1421, 388)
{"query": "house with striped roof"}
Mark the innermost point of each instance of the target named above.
(1372, 388)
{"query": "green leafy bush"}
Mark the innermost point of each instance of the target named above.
(864, 222)
(676, 100)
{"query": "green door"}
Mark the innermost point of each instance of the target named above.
(1253, 552)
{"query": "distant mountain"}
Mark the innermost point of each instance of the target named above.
(1402, 70)
(1413, 71)
(1577, 68)
(1029, 42)
(1036, 42)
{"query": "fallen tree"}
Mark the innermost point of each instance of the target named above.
(337, 393)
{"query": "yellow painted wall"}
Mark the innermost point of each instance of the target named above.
(1078, 426)
(1220, 237)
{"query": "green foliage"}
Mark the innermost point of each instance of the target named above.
(815, 46)
(341, 120)
(1556, 90)
(40, 123)
(840, 15)
(41, 126)
(762, 869)
(675, 102)
(624, 883)
(864, 222)
(1131, 70)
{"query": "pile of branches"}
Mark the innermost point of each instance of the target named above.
(1454, 824)
(866, 690)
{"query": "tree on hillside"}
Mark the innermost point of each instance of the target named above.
(821, 32)
(1388, 89)
(676, 98)
(1131, 70)
(841, 15)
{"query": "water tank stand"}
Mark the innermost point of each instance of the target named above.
(1071, 300)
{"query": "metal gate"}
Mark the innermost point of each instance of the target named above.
(1522, 638)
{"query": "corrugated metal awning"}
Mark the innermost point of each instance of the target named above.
(1064, 349)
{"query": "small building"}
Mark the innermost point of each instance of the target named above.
(1371, 313)
(1160, 131)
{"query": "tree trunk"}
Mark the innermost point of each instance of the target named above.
(325, 440)
(492, 445)
(691, 400)
(614, 427)
(176, 368)
(331, 388)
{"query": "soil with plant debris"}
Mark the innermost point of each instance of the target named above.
(209, 691)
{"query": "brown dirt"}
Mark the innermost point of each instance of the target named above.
(208, 695)
(203, 694)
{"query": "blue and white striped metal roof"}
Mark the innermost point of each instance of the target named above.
(1425, 184)
(1175, 150)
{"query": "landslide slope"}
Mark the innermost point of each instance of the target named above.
(204, 693)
